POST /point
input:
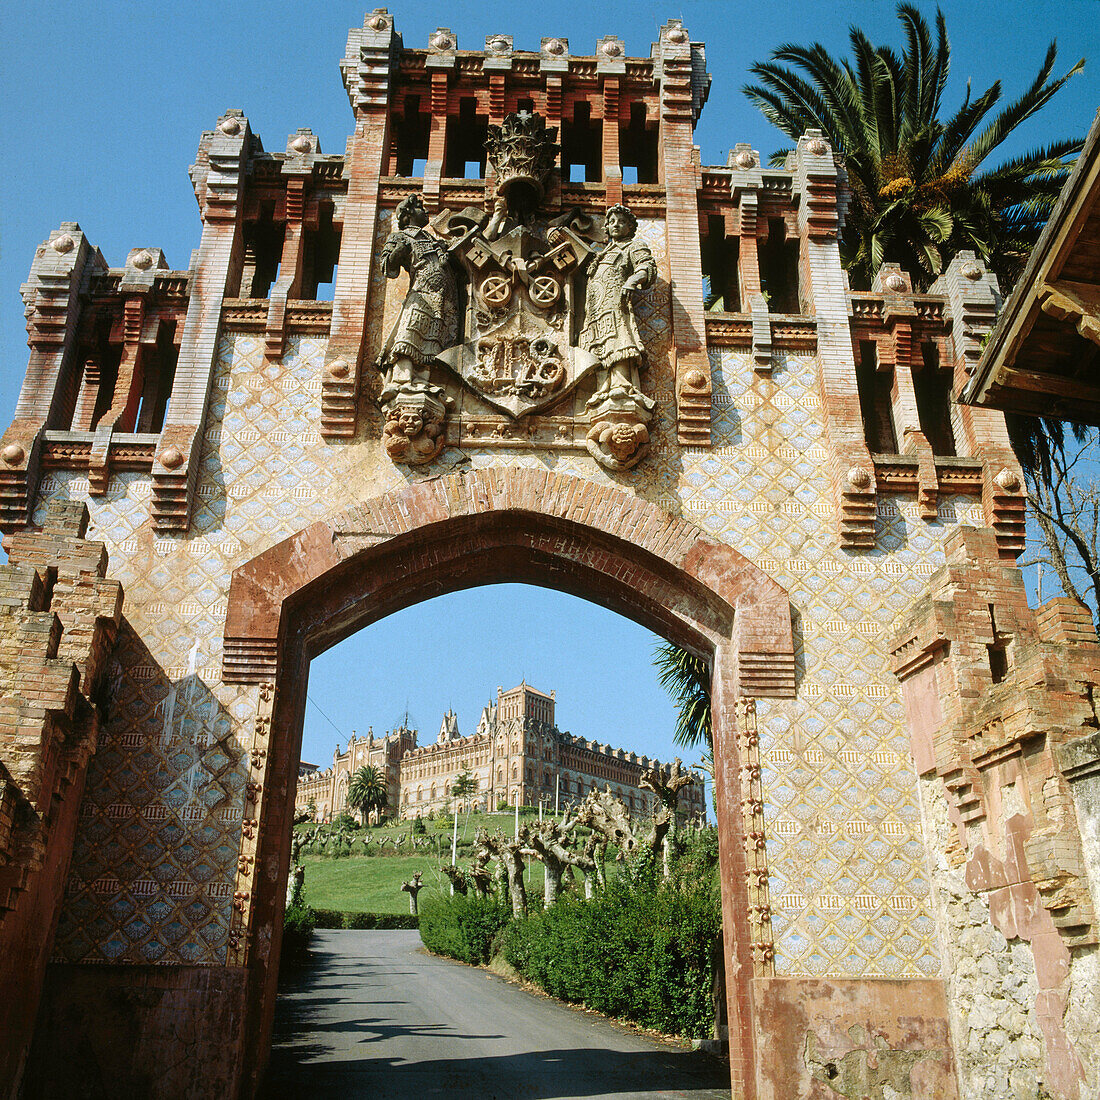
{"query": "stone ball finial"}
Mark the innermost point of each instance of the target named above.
(971, 271)
(611, 49)
(339, 368)
(817, 147)
(895, 283)
(677, 35)
(230, 126)
(555, 46)
(301, 144)
(377, 22)
(745, 159)
(696, 379)
(441, 41)
(498, 44)
(1008, 480)
(12, 454)
(64, 243)
(859, 477)
(171, 457)
(143, 260)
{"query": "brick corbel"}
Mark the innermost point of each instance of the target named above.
(368, 65)
(53, 297)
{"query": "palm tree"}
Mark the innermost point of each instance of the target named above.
(367, 791)
(687, 679)
(917, 194)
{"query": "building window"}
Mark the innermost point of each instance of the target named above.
(779, 268)
(410, 138)
(466, 134)
(932, 386)
(875, 403)
(720, 253)
(581, 146)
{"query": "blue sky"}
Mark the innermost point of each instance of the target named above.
(102, 106)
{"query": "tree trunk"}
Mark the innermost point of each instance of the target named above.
(513, 867)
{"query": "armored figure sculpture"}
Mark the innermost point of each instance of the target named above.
(619, 410)
(623, 266)
(428, 322)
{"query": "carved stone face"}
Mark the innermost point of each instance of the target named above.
(411, 422)
(619, 227)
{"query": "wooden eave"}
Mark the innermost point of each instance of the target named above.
(1043, 356)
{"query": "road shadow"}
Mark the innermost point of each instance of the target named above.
(552, 1074)
(334, 1055)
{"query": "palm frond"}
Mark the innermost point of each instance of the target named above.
(687, 679)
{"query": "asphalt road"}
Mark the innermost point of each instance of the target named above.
(374, 1015)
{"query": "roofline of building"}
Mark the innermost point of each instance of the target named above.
(1013, 323)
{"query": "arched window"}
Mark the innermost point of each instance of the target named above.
(500, 774)
(515, 771)
(432, 795)
(419, 794)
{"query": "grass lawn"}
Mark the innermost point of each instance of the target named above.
(372, 884)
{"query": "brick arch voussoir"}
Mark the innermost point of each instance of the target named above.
(262, 588)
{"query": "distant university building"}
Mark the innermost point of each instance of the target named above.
(516, 754)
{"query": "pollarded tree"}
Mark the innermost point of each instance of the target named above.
(919, 193)
(367, 791)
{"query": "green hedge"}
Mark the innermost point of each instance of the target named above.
(637, 951)
(334, 918)
(299, 920)
(463, 927)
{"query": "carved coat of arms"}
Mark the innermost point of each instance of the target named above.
(528, 334)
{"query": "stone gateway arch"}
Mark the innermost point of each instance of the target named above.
(213, 475)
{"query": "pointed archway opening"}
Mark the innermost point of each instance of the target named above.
(304, 595)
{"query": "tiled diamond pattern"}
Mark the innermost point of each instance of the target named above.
(152, 875)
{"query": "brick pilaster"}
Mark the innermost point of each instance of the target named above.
(853, 473)
(681, 175)
(367, 66)
(302, 150)
(437, 139)
(219, 178)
